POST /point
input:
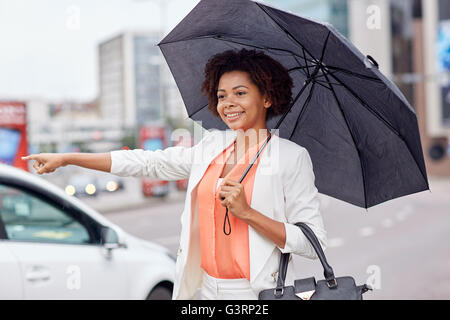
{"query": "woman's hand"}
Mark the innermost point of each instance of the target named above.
(236, 202)
(46, 162)
(233, 197)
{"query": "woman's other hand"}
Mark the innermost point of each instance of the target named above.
(46, 162)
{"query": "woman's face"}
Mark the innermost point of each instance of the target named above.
(240, 103)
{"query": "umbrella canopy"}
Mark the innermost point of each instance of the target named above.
(360, 131)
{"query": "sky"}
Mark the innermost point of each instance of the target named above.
(48, 48)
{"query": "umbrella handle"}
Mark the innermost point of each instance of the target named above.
(226, 221)
(372, 60)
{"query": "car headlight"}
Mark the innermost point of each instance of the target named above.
(112, 186)
(90, 189)
(70, 190)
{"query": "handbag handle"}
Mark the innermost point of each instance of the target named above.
(327, 269)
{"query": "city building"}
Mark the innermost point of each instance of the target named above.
(136, 87)
(69, 126)
(332, 11)
(129, 76)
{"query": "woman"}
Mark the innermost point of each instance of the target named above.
(232, 233)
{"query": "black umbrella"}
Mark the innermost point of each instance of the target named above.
(360, 131)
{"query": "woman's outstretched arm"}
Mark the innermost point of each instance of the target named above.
(95, 161)
(49, 162)
(173, 163)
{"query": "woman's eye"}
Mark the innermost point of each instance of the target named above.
(220, 97)
(240, 93)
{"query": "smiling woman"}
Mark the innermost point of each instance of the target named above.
(244, 88)
(264, 73)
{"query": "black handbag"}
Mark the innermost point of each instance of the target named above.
(342, 288)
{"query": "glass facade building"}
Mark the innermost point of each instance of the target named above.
(443, 57)
(402, 37)
(332, 11)
(130, 80)
(147, 78)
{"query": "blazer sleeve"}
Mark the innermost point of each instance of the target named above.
(173, 163)
(302, 205)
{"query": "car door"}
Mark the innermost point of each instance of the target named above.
(10, 276)
(59, 248)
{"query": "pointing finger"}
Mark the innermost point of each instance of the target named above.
(41, 170)
(36, 166)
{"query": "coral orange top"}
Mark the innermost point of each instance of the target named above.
(225, 256)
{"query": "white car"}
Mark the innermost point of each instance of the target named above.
(53, 246)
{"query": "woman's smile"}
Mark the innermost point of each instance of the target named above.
(234, 116)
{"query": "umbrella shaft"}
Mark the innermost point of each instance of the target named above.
(307, 81)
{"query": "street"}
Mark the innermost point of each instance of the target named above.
(401, 248)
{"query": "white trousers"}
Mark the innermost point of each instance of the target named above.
(226, 289)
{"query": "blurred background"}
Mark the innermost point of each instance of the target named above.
(87, 76)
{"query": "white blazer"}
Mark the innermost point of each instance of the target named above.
(283, 190)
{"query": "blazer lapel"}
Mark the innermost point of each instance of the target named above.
(208, 152)
(262, 200)
(202, 158)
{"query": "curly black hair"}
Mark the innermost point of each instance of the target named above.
(270, 76)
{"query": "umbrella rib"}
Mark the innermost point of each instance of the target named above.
(302, 112)
(353, 139)
(306, 74)
(324, 47)
(286, 31)
(326, 82)
(323, 72)
(354, 73)
(306, 64)
(190, 115)
(308, 80)
(270, 48)
(322, 84)
(304, 67)
(376, 114)
(292, 104)
(382, 119)
(222, 38)
(304, 49)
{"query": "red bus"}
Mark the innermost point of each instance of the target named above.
(153, 138)
(13, 134)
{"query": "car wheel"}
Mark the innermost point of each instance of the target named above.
(160, 293)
